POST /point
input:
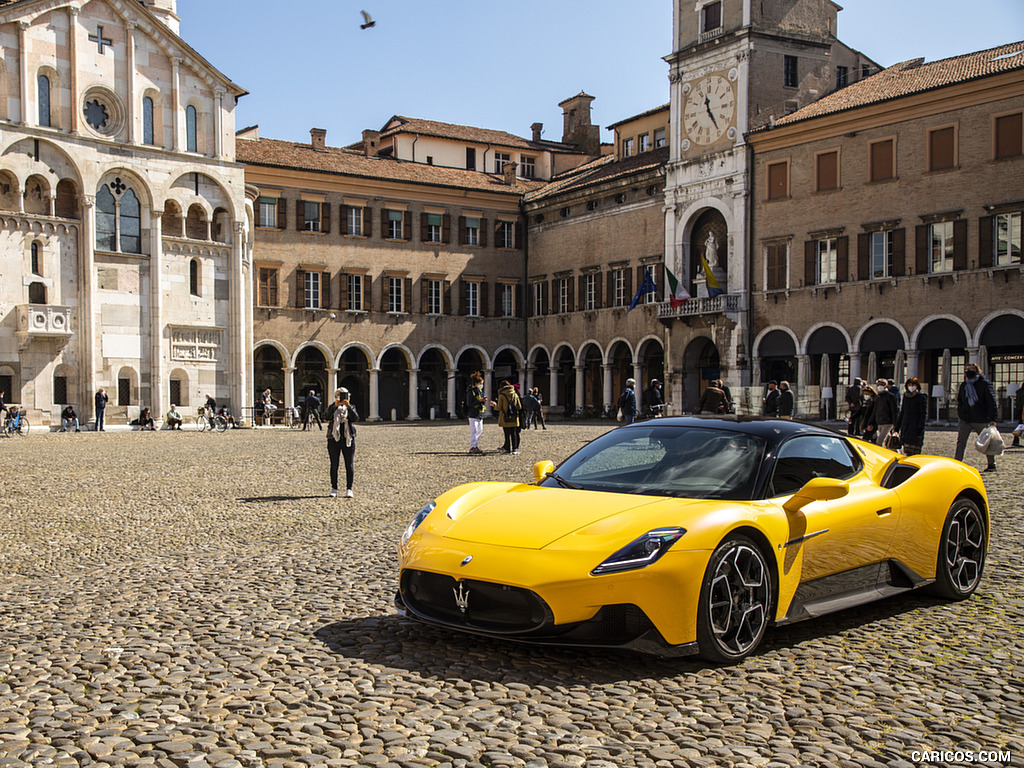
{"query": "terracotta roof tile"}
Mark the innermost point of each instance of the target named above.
(464, 133)
(603, 169)
(910, 77)
(286, 154)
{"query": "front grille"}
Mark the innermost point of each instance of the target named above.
(484, 605)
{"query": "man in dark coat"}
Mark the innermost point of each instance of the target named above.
(855, 403)
(975, 410)
(887, 408)
(101, 405)
(627, 402)
(771, 400)
(786, 401)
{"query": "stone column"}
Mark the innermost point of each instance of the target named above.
(218, 121)
(289, 387)
(552, 386)
(606, 380)
(175, 107)
(156, 317)
(913, 361)
(374, 395)
(452, 394)
(414, 390)
(855, 366)
(638, 373)
(73, 13)
(530, 368)
(332, 384)
(87, 327)
(23, 73)
(239, 362)
(488, 394)
(580, 395)
(133, 130)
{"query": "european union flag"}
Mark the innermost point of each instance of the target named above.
(647, 286)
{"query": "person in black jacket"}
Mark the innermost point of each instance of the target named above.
(855, 403)
(786, 401)
(771, 399)
(341, 438)
(910, 422)
(869, 426)
(887, 408)
(975, 410)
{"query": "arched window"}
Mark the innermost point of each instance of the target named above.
(190, 130)
(37, 260)
(131, 231)
(44, 100)
(106, 220)
(193, 277)
(147, 121)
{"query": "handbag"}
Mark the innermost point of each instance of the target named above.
(990, 442)
(618, 416)
(892, 441)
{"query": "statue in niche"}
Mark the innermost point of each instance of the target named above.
(711, 251)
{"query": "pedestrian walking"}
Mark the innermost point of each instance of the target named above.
(341, 439)
(975, 410)
(538, 415)
(912, 416)
(787, 402)
(867, 417)
(654, 402)
(69, 419)
(771, 399)
(101, 406)
(475, 402)
(509, 407)
(886, 410)
(627, 402)
(531, 405)
(854, 405)
(311, 410)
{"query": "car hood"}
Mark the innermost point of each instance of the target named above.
(532, 517)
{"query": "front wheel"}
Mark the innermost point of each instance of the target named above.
(220, 423)
(962, 550)
(735, 601)
(201, 423)
(294, 422)
(22, 428)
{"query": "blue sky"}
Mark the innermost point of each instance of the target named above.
(505, 65)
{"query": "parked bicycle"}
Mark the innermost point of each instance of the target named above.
(16, 422)
(207, 418)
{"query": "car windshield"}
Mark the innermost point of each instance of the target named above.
(688, 462)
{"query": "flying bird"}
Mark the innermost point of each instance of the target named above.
(368, 22)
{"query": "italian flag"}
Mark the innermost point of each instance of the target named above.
(677, 295)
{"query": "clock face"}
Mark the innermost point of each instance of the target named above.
(709, 109)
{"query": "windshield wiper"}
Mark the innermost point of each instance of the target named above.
(562, 481)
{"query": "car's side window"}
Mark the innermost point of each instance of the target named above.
(804, 458)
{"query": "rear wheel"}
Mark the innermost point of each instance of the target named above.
(201, 423)
(220, 423)
(22, 428)
(962, 550)
(735, 601)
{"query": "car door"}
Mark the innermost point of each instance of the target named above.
(841, 534)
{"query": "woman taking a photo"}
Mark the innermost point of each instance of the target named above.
(341, 438)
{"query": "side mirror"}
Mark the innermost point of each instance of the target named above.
(541, 469)
(818, 489)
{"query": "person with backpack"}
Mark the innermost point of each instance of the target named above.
(475, 401)
(509, 407)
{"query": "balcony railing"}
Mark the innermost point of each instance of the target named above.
(43, 321)
(727, 302)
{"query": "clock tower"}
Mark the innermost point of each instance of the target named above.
(737, 65)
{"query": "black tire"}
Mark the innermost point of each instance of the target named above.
(735, 604)
(962, 550)
(220, 423)
(201, 423)
(23, 426)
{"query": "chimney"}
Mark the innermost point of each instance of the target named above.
(319, 138)
(370, 141)
(510, 172)
(577, 128)
(537, 128)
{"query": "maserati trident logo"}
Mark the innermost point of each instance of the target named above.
(461, 598)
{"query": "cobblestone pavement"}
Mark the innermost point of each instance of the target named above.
(185, 599)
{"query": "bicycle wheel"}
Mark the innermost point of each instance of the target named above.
(294, 422)
(220, 423)
(23, 426)
(201, 423)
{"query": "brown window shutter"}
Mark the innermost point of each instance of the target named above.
(518, 294)
(407, 295)
(325, 218)
(384, 223)
(325, 290)
(960, 244)
(843, 259)
(572, 293)
(778, 181)
(463, 298)
(261, 291)
(344, 220)
(611, 289)
(639, 280)
(300, 215)
(446, 228)
(581, 292)
(424, 296)
(659, 281)
(482, 232)
(462, 230)
(282, 212)
(385, 293)
(447, 307)
(941, 148)
(343, 300)
(1009, 136)
(921, 261)
(899, 252)
(882, 166)
(484, 304)
(863, 256)
(827, 171)
(552, 297)
(629, 286)
(300, 288)
(810, 268)
(986, 254)
(367, 221)
(598, 297)
(423, 228)
(497, 229)
(272, 288)
(367, 293)
(406, 226)
(517, 233)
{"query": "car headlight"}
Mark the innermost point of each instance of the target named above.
(642, 552)
(420, 517)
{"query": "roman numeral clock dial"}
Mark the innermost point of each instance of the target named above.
(709, 111)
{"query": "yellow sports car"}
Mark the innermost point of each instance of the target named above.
(693, 535)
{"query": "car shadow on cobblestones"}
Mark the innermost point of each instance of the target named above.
(394, 641)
